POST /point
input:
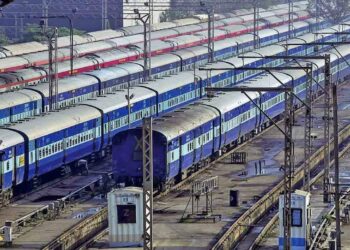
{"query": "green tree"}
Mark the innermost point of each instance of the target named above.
(172, 14)
(33, 32)
(332, 10)
(221, 6)
(64, 31)
(268, 3)
(4, 40)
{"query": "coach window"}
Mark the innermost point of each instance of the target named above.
(154, 109)
(297, 219)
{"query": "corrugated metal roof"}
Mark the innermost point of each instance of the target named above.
(56, 121)
(9, 138)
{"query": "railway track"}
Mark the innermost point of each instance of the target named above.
(85, 240)
(321, 231)
(235, 232)
(96, 226)
(42, 204)
(318, 239)
(242, 226)
(268, 225)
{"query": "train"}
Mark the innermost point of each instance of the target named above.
(57, 140)
(130, 34)
(32, 68)
(41, 58)
(34, 100)
(191, 137)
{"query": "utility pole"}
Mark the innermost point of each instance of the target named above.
(53, 80)
(288, 146)
(16, 26)
(308, 108)
(150, 10)
(104, 8)
(336, 166)
(210, 37)
(256, 18)
(71, 38)
(145, 18)
(55, 94)
(317, 14)
(327, 121)
(288, 170)
(327, 118)
(290, 18)
(287, 131)
(308, 123)
(128, 97)
(210, 13)
(147, 149)
(150, 13)
(45, 11)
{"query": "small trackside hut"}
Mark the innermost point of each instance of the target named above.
(300, 222)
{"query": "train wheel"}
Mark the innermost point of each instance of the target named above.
(252, 134)
(223, 150)
(178, 178)
(108, 150)
(63, 171)
(8, 198)
(161, 187)
(92, 157)
(34, 183)
(5, 198)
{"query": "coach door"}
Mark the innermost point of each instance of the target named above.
(2, 159)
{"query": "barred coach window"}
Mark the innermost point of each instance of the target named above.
(126, 214)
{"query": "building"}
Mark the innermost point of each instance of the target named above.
(87, 15)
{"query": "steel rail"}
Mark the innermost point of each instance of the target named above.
(53, 207)
(322, 226)
(238, 229)
(83, 231)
